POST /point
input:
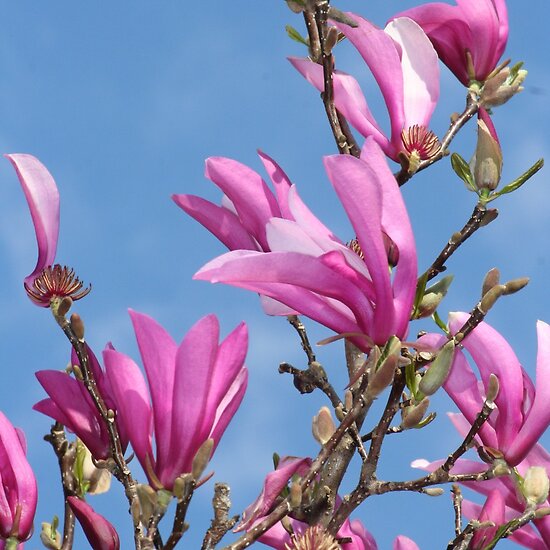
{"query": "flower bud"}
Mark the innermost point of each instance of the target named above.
(486, 164)
(535, 485)
(99, 532)
(323, 426)
(439, 370)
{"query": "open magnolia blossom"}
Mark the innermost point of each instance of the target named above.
(193, 391)
(522, 413)
(469, 37)
(405, 66)
(352, 292)
(18, 492)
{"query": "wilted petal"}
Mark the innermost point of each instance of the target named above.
(43, 199)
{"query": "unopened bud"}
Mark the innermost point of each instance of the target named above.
(180, 485)
(147, 501)
(295, 494)
(491, 279)
(433, 491)
(486, 164)
(515, 285)
(489, 455)
(501, 87)
(412, 415)
(64, 305)
(439, 369)
(535, 485)
(383, 377)
(433, 297)
(348, 400)
(201, 459)
(331, 39)
(295, 6)
(542, 512)
(490, 298)
(50, 536)
(323, 426)
(492, 389)
(77, 325)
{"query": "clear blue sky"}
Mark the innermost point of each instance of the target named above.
(123, 102)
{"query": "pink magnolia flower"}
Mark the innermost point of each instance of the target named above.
(522, 413)
(475, 27)
(100, 533)
(70, 404)
(194, 391)
(316, 275)
(46, 281)
(405, 66)
(404, 543)
(18, 492)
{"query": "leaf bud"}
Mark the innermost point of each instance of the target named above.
(501, 87)
(491, 279)
(295, 494)
(433, 296)
(77, 325)
(201, 459)
(515, 285)
(297, 6)
(433, 491)
(535, 485)
(490, 298)
(439, 369)
(491, 214)
(493, 388)
(323, 425)
(412, 415)
(50, 536)
(147, 501)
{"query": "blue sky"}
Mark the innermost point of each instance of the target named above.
(123, 102)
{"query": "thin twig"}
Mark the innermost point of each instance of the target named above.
(65, 453)
(221, 523)
(299, 327)
(457, 239)
(179, 527)
(457, 507)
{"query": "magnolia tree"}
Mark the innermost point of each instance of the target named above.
(153, 422)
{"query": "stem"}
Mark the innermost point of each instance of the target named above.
(179, 526)
(221, 523)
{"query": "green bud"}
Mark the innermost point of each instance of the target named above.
(491, 279)
(439, 370)
(433, 296)
(201, 459)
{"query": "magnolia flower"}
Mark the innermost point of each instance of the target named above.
(351, 292)
(469, 37)
(194, 391)
(404, 543)
(70, 403)
(522, 413)
(47, 281)
(18, 492)
(405, 65)
(100, 533)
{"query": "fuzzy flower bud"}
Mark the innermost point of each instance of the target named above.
(486, 164)
(323, 425)
(535, 485)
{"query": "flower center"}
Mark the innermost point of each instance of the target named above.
(420, 142)
(314, 538)
(56, 282)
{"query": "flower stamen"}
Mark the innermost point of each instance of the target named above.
(56, 282)
(420, 143)
(314, 538)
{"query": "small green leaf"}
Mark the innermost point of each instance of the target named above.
(440, 323)
(462, 170)
(518, 182)
(296, 36)
(425, 421)
(420, 289)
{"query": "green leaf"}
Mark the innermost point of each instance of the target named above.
(518, 182)
(296, 36)
(420, 289)
(462, 170)
(425, 421)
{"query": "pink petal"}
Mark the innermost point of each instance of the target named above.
(43, 199)
(222, 223)
(132, 397)
(280, 181)
(248, 192)
(404, 543)
(420, 66)
(158, 353)
(538, 417)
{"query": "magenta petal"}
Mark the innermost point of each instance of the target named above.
(100, 533)
(280, 181)
(493, 510)
(220, 221)
(158, 353)
(274, 483)
(493, 355)
(132, 397)
(248, 192)
(359, 191)
(538, 417)
(191, 418)
(18, 483)
(404, 543)
(43, 199)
